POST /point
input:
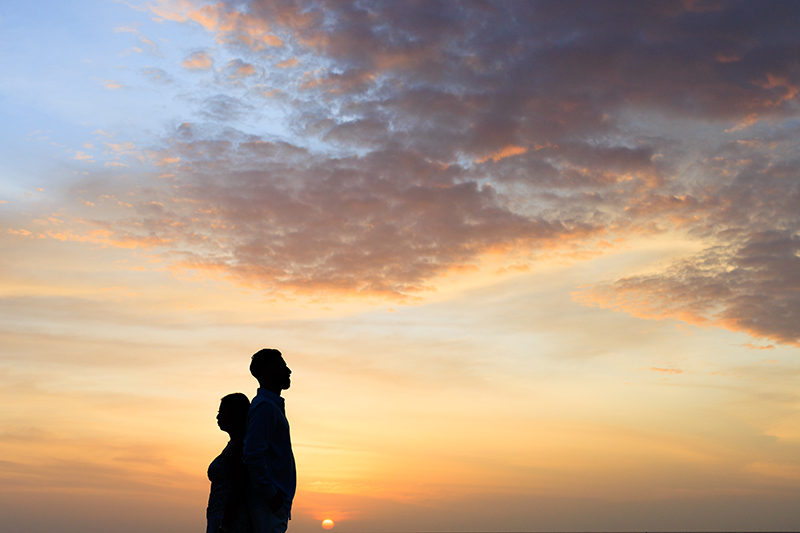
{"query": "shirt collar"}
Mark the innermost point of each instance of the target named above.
(268, 395)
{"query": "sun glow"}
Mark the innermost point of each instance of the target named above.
(327, 524)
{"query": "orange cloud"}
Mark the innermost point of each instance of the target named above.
(753, 289)
(306, 223)
(244, 71)
(229, 24)
(111, 84)
(508, 151)
(726, 58)
(288, 63)
(754, 347)
(666, 370)
(774, 82)
(351, 81)
(107, 238)
(238, 69)
(123, 147)
(198, 61)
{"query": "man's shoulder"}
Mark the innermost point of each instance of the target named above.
(264, 399)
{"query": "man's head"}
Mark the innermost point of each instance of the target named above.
(269, 368)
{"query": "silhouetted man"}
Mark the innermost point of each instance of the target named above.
(268, 447)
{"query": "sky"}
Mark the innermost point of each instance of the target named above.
(535, 265)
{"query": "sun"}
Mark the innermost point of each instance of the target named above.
(327, 523)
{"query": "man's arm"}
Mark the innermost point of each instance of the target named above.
(260, 424)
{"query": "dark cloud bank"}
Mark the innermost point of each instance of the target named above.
(428, 134)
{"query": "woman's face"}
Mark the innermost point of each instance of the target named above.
(224, 417)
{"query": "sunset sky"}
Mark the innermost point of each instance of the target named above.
(535, 265)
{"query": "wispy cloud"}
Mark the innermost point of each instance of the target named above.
(111, 84)
(151, 45)
(157, 75)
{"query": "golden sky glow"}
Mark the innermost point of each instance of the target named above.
(533, 267)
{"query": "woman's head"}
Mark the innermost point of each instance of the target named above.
(232, 416)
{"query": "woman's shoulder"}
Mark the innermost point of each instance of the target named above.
(234, 450)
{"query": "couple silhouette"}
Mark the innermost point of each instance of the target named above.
(253, 480)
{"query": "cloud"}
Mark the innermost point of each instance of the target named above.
(111, 84)
(425, 137)
(80, 156)
(232, 26)
(751, 346)
(157, 75)
(288, 63)
(508, 151)
(224, 108)
(789, 89)
(150, 44)
(236, 69)
(666, 370)
(744, 212)
(200, 60)
(281, 217)
(753, 288)
(121, 147)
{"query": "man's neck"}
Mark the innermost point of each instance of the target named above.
(274, 389)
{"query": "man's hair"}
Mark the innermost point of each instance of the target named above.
(261, 360)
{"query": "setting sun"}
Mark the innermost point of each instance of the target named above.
(327, 524)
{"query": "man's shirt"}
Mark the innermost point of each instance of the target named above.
(268, 448)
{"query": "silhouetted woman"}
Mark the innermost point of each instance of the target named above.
(226, 505)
